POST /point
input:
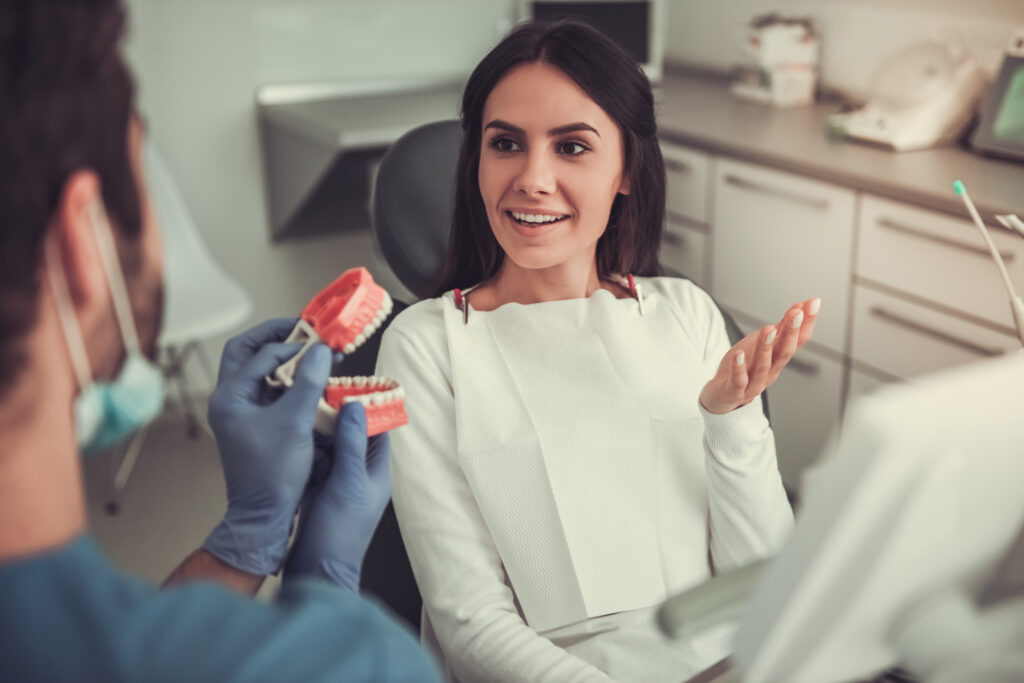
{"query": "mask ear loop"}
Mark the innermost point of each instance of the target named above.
(62, 301)
(115, 275)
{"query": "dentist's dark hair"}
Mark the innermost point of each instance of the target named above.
(619, 86)
(66, 97)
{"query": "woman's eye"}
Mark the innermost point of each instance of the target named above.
(572, 148)
(505, 145)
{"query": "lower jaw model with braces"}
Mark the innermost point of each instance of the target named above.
(343, 316)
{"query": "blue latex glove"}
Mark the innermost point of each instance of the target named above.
(350, 488)
(265, 439)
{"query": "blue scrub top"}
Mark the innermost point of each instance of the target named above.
(68, 615)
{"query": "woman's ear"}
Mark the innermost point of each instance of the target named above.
(624, 186)
(76, 236)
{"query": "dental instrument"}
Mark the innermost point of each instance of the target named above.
(1016, 305)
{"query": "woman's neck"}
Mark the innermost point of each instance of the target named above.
(513, 284)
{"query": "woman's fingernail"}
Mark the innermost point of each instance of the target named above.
(770, 338)
(798, 320)
(740, 358)
(815, 306)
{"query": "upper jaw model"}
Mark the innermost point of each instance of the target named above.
(343, 316)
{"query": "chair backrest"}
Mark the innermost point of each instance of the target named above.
(414, 196)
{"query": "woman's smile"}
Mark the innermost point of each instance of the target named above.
(536, 222)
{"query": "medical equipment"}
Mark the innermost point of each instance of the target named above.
(638, 26)
(906, 532)
(1016, 305)
(344, 315)
(922, 97)
(1001, 129)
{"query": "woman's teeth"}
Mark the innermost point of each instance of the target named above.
(535, 218)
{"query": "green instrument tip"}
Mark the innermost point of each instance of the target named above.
(959, 187)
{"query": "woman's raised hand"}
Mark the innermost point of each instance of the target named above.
(755, 361)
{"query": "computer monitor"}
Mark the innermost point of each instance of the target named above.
(922, 494)
(638, 26)
(1000, 129)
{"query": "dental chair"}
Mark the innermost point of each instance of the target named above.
(412, 208)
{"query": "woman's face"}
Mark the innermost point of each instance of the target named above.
(551, 164)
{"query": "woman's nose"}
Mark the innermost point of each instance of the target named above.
(536, 177)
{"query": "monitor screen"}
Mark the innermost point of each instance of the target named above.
(627, 23)
(919, 497)
(1009, 123)
(1000, 130)
(633, 24)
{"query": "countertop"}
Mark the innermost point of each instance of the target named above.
(310, 130)
(697, 110)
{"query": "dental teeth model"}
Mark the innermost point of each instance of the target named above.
(343, 316)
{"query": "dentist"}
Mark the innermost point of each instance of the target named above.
(80, 310)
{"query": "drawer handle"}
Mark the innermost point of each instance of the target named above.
(804, 367)
(944, 337)
(814, 203)
(673, 239)
(677, 165)
(918, 232)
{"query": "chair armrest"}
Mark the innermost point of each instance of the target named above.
(720, 599)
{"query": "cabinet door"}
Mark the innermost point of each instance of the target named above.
(905, 339)
(686, 175)
(861, 384)
(778, 239)
(936, 257)
(684, 249)
(805, 405)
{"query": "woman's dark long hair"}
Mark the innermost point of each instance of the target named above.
(618, 85)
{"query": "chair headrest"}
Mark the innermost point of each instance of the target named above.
(413, 200)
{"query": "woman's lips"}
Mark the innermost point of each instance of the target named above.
(534, 228)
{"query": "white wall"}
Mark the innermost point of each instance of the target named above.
(857, 35)
(199, 64)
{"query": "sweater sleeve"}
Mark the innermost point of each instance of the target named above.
(749, 514)
(465, 590)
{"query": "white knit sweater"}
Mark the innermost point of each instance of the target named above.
(557, 468)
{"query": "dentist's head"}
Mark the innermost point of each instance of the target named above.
(80, 254)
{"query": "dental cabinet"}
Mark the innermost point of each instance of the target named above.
(766, 210)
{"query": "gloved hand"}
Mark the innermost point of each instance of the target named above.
(265, 439)
(350, 488)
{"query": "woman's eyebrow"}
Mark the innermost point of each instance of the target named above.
(561, 130)
(572, 128)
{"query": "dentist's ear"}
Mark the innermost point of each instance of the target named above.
(72, 227)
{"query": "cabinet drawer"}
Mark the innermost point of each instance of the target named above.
(686, 174)
(779, 239)
(685, 250)
(805, 405)
(906, 339)
(937, 257)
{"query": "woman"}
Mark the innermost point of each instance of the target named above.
(578, 448)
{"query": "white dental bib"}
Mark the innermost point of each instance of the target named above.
(579, 434)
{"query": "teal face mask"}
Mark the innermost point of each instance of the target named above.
(106, 412)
